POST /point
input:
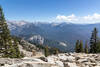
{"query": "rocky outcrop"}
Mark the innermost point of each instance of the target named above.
(25, 62)
(75, 60)
(60, 60)
(29, 50)
(37, 39)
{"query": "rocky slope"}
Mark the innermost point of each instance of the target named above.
(39, 40)
(76, 60)
(28, 49)
(60, 60)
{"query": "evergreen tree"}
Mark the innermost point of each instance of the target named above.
(81, 47)
(86, 48)
(77, 46)
(5, 39)
(93, 41)
(56, 51)
(46, 51)
(18, 54)
(7, 48)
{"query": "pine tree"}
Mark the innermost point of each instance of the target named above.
(86, 48)
(81, 47)
(46, 51)
(7, 48)
(77, 47)
(56, 51)
(5, 39)
(93, 41)
(17, 52)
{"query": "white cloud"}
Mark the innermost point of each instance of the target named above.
(89, 19)
(69, 18)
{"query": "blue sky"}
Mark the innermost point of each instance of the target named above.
(51, 10)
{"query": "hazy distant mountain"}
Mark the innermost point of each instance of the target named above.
(53, 31)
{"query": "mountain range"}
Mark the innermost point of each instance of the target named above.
(59, 32)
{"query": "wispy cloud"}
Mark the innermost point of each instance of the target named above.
(89, 19)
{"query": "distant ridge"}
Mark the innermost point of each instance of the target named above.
(54, 31)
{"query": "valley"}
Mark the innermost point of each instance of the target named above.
(53, 33)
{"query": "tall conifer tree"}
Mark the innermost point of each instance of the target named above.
(46, 51)
(81, 47)
(94, 41)
(86, 47)
(7, 44)
(77, 46)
